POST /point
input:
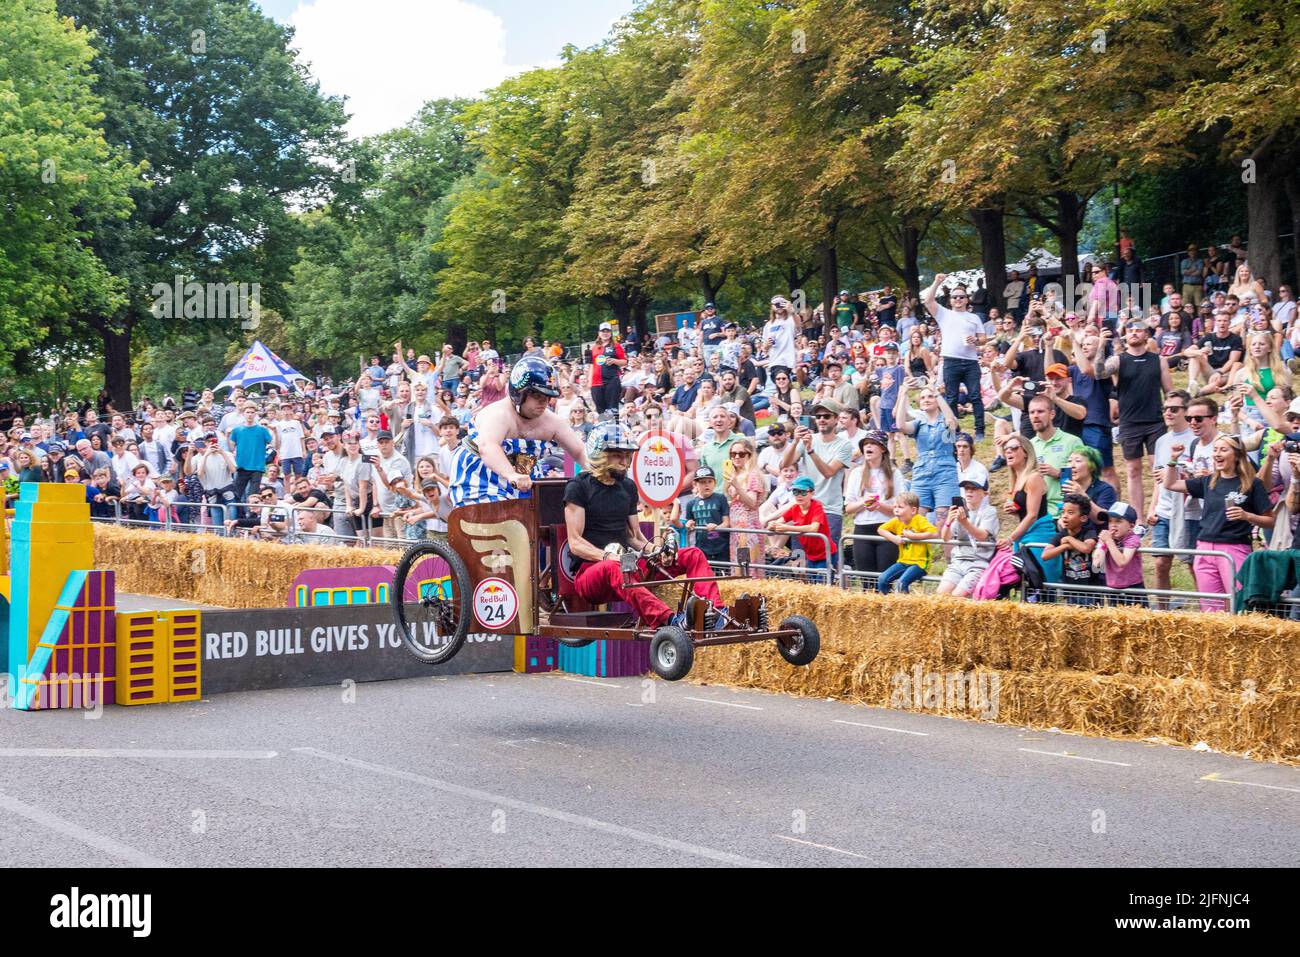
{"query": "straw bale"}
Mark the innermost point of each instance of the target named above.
(212, 570)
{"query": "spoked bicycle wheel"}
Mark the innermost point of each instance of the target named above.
(434, 624)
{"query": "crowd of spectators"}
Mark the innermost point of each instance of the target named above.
(888, 420)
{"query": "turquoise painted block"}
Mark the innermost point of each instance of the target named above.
(25, 695)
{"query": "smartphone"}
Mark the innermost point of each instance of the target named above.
(1066, 473)
(958, 502)
(368, 459)
(805, 421)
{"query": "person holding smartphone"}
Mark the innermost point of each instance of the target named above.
(869, 495)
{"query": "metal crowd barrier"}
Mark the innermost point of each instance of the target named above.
(870, 580)
(1104, 595)
(841, 574)
(824, 576)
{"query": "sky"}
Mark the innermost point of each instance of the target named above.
(390, 56)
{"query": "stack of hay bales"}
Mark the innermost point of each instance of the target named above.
(211, 570)
(1230, 681)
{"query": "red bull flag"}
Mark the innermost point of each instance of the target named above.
(260, 366)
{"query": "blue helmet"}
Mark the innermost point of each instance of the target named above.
(531, 374)
(610, 435)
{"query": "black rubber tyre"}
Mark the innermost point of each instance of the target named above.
(575, 642)
(450, 617)
(803, 649)
(671, 653)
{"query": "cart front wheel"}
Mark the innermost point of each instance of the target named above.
(671, 653)
(434, 623)
(803, 647)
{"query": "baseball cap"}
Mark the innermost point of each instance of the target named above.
(803, 484)
(72, 474)
(606, 327)
(384, 434)
(423, 359)
(830, 405)
(55, 447)
(1058, 369)
(709, 305)
(1294, 407)
(971, 483)
(891, 346)
(1122, 510)
(704, 472)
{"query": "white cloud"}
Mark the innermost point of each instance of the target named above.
(389, 56)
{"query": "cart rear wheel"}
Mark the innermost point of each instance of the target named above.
(804, 646)
(671, 653)
(441, 611)
(575, 642)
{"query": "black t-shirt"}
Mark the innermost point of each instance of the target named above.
(1032, 363)
(1215, 526)
(748, 372)
(1221, 350)
(1140, 394)
(607, 508)
(104, 431)
(887, 310)
(1076, 567)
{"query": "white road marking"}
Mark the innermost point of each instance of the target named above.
(585, 681)
(1250, 784)
(881, 727)
(497, 800)
(76, 832)
(729, 704)
(1076, 757)
(824, 847)
(134, 753)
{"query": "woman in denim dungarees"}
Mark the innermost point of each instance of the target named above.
(934, 476)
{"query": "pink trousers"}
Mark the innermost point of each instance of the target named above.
(1216, 574)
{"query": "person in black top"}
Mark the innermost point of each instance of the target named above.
(887, 307)
(1143, 380)
(711, 334)
(1216, 356)
(600, 513)
(1233, 500)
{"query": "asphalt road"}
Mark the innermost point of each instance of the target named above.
(559, 770)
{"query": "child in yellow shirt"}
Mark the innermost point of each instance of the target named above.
(907, 529)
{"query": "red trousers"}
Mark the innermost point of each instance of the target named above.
(601, 582)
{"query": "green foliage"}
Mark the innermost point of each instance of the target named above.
(209, 94)
(54, 167)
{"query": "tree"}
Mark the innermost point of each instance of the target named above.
(1243, 98)
(54, 165)
(783, 99)
(1033, 106)
(364, 278)
(235, 133)
(501, 235)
